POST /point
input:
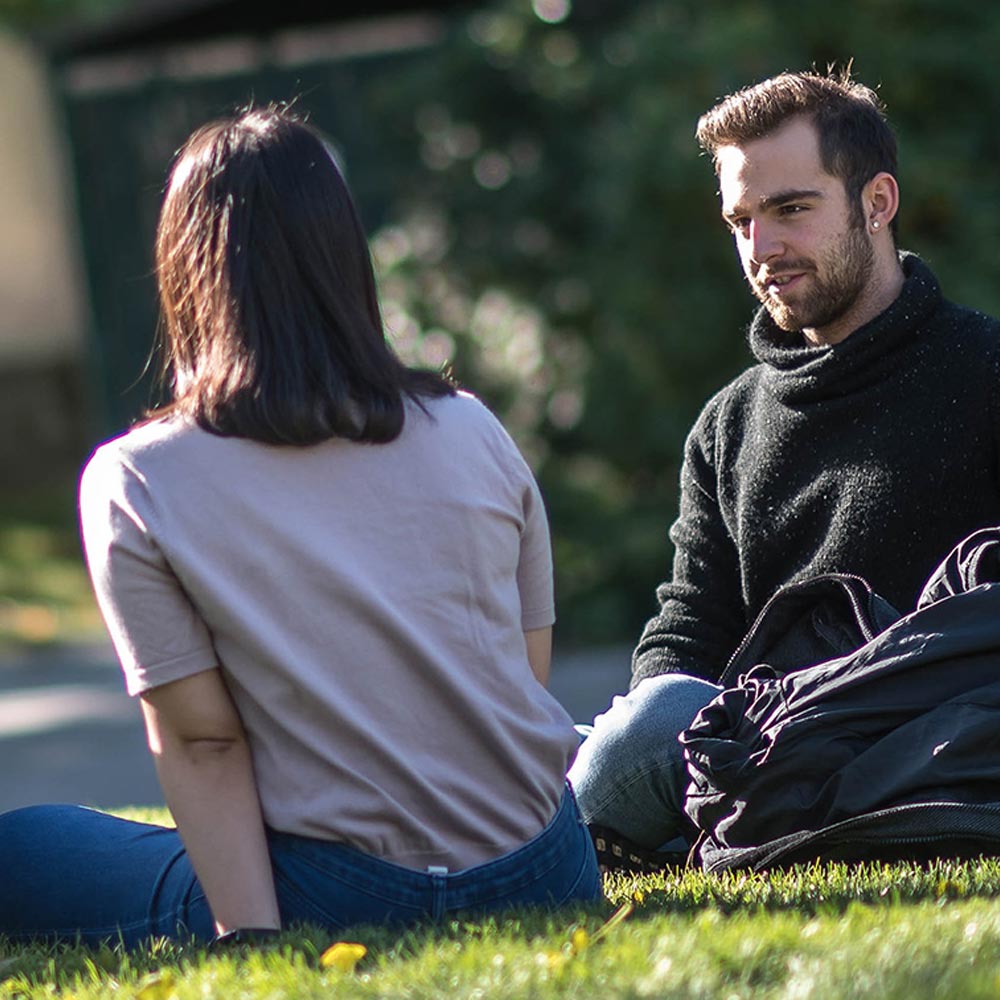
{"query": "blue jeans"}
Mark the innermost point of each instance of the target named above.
(629, 773)
(69, 873)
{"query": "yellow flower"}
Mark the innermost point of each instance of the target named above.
(579, 940)
(553, 961)
(343, 956)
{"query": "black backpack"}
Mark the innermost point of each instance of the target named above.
(847, 732)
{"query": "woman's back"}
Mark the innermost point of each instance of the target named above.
(367, 604)
(328, 579)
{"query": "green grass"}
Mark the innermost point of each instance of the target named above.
(45, 595)
(823, 931)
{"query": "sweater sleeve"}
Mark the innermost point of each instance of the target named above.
(701, 618)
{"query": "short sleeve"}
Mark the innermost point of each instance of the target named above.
(534, 567)
(157, 634)
(534, 570)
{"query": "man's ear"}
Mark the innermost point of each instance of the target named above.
(880, 201)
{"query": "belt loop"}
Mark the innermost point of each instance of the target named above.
(439, 890)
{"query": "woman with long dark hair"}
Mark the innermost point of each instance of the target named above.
(328, 580)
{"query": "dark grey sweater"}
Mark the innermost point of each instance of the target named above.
(872, 457)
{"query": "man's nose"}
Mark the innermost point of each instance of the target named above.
(763, 241)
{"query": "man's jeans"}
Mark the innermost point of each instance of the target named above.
(629, 773)
(67, 872)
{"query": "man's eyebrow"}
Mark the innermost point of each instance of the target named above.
(769, 201)
(784, 197)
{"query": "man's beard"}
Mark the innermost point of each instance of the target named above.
(847, 268)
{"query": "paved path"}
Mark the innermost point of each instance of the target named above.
(69, 733)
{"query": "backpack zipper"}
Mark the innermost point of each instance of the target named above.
(863, 621)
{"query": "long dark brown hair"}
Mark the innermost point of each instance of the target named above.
(270, 325)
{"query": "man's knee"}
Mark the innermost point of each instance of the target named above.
(657, 709)
(638, 732)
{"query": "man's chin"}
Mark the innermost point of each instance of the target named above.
(782, 318)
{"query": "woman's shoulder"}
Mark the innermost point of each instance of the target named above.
(137, 454)
(459, 402)
(148, 438)
(464, 414)
(464, 424)
(456, 410)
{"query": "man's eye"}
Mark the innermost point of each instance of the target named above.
(792, 209)
(739, 225)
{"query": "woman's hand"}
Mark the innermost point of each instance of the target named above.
(206, 772)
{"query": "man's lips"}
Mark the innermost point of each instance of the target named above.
(780, 284)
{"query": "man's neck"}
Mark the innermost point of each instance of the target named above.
(880, 293)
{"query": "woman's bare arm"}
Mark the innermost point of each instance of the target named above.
(205, 769)
(539, 642)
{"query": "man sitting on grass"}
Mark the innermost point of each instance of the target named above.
(864, 440)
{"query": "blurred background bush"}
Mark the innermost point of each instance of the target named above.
(541, 219)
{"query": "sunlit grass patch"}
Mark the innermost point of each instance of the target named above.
(820, 931)
(811, 889)
(159, 815)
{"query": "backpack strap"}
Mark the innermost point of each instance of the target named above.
(971, 563)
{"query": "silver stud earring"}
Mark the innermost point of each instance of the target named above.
(875, 223)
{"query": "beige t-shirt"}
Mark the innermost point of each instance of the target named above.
(366, 604)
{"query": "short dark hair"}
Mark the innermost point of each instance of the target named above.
(270, 325)
(856, 141)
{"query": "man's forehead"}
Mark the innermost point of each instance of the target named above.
(787, 159)
(797, 133)
(730, 161)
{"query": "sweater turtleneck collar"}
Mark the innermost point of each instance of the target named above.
(799, 373)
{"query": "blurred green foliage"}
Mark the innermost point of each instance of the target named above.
(560, 239)
(544, 223)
